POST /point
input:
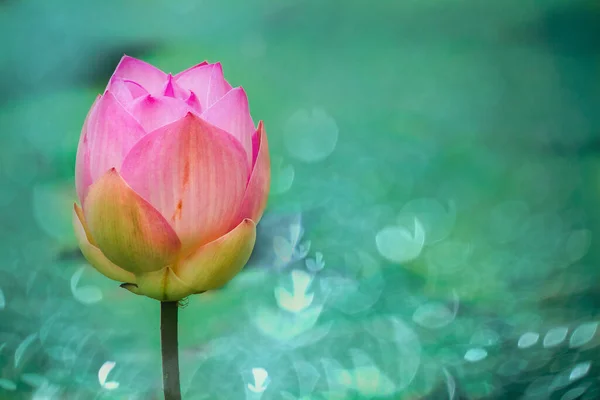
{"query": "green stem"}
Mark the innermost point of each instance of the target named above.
(170, 351)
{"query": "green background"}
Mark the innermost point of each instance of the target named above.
(432, 224)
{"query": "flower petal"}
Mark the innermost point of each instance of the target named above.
(83, 175)
(217, 262)
(172, 89)
(217, 86)
(186, 71)
(206, 81)
(196, 80)
(120, 90)
(150, 77)
(155, 112)
(161, 285)
(257, 191)
(193, 173)
(135, 89)
(111, 132)
(128, 230)
(125, 91)
(232, 114)
(108, 134)
(93, 254)
(193, 103)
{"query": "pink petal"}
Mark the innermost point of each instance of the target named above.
(257, 191)
(150, 77)
(202, 64)
(255, 147)
(217, 87)
(154, 112)
(193, 173)
(172, 89)
(232, 114)
(126, 228)
(193, 103)
(120, 90)
(83, 175)
(125, 91)
(135, 89)
(108, 135)
(206, 81)
(196, 80)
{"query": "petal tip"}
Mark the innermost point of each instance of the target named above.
(248, 222)
(169, 89)
(132, 287)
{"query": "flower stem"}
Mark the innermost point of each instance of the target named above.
(170, 350)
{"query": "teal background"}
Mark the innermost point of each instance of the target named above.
(432, 224)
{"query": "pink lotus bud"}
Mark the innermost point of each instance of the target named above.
(172, 177)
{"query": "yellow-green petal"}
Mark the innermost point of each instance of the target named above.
(129, 231)
(161, 285)
(217, 262)
(93, 254)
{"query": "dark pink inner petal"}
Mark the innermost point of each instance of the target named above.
(194, 104)
(172, 89)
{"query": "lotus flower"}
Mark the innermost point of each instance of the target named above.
(173, 177)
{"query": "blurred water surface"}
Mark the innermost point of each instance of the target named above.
(432, 230)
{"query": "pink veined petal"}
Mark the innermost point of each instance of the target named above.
(148, 76)
(257, 191)
(83, 175)
(194, 173)
(217, 86)
(232, 114)
(108, 135)
(154, 112)
(206, 81)
(172, 89)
